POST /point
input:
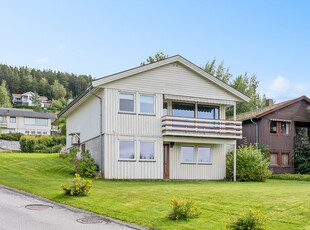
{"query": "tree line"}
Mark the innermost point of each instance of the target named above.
(49, 83)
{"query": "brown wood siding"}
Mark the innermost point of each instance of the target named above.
(296, 112)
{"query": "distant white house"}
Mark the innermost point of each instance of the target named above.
(26, 121)
(164, 120)
(27, 99)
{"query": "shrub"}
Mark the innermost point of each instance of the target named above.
(299, 177)
(11, 136)
(252, 165)
(181, 210)
(86, 165)
(41, 144)
(302, 157)
(250, 220)
(78, 187)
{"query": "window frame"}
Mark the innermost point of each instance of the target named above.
(11, 119)
(194, 155)
(218, 111)
(35, 121)
(188, 103)
(154, 149)
(134, 147)
(1, 118)
(289, 159)
(274, 134)
(134, 103)
(289, 128)
(204, 163)
(154, 101)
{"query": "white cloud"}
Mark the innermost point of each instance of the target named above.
(45, 59)
(60, 47)
(281, 89)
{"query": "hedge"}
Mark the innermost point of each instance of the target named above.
(299, 177)
(11, 136)
(42, 144)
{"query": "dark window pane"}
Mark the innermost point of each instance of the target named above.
(146, 104)
(165, 109)
(127, 150)
(208, 112)
(147, 150)
(126, 102)
(183, 109)
(273, 127)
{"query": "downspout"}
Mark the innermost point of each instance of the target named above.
(101, 147)
(256, 132)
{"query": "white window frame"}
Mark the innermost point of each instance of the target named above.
(11, 120)
(35, 121)
(139, 152)
(154, 107)
(204, 163)
(194, 152)
(135, 150)
(134, 102)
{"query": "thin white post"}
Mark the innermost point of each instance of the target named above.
(235, 112)
(235, 161)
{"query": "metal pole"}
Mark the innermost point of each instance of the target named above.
(101, 147)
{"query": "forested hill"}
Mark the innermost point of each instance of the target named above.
(47, 83)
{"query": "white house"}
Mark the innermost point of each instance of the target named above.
(26, 121)
(26, 99)
(162, 120)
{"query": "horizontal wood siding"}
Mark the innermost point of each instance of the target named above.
(173, 79)
(216, 171)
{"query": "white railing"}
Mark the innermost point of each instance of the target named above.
(183, 126)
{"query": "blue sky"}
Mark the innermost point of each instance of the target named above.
(269, 38)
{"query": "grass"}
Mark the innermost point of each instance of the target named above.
(286, 202)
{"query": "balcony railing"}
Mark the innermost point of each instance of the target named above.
(3, 123)
(183, 126)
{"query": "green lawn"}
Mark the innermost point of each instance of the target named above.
(287, 203)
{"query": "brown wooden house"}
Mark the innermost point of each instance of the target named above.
(280, 126)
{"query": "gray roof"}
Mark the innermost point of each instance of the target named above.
(25, 113)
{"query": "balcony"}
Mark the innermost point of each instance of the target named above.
(3, 123)
(195, 127)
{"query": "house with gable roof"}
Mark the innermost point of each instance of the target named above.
(165, 120)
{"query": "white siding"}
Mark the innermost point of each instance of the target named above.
(184, 171)
(173, 79)
(85, 120)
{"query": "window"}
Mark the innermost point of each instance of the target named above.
(39, 132)
(274, 159)
(146, 104)
(208, 112)
(147, 151)
(285, 126)
(187, 154)
(165, 109)
(29, 121)
(126, 102)
(83, 148)
(1, 119)
(42, 122)
(33, 132)
(13, 119)
(126, 150)
(183, 109)
(27, 132)
(44, 133)
(204, 155)
(273, 127)
(285, 159)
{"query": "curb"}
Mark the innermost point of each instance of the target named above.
(73, 209)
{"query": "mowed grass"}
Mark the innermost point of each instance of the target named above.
(287, 203)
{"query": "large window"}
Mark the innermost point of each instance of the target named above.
(187, 154)
(183, 109)
(147, 151)
(273, 127)
(1, 119)
(42, 122)
(204, 155)
(208, 112)
(285, 128)
(12, 119)
(126, 102)
(29, 121)
(126, 150)
(146, 104)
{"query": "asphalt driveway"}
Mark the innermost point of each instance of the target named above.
(20, 210)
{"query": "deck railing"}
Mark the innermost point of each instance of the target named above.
(183, 126)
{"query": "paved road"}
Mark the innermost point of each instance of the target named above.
(15, 216)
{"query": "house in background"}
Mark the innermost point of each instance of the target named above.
(26, 99)
(282, 127)
(26, 121)
(164, 120)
